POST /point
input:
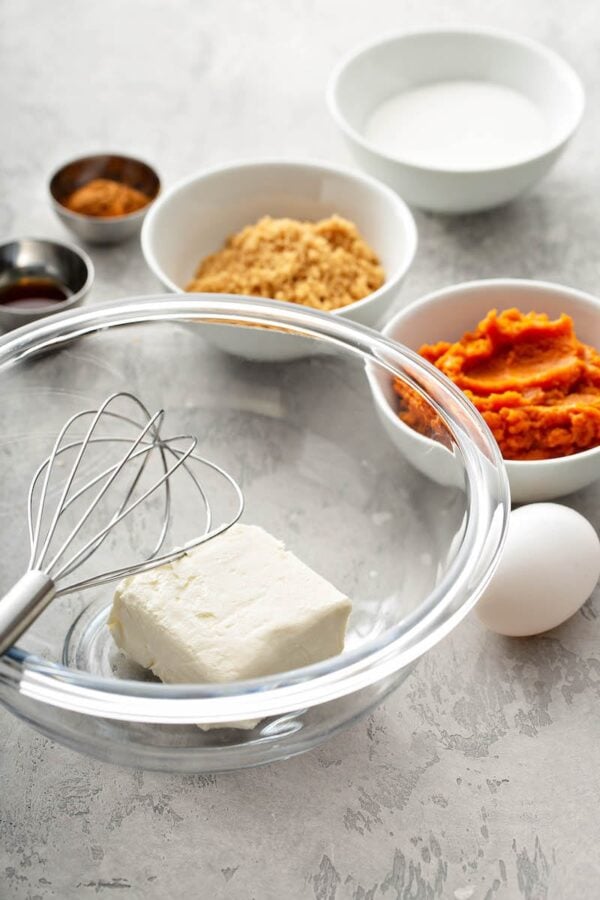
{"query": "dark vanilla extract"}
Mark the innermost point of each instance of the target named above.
(33, 292)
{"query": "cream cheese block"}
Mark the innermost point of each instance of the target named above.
(239, 606)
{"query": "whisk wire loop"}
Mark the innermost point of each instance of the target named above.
(125, 512)
(157, 417)
(49, 466)
(21, 605)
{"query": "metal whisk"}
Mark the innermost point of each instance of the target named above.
(54, 556)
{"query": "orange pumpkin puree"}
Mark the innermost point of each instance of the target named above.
(534, 383)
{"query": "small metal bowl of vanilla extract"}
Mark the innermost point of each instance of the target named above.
(39, 278)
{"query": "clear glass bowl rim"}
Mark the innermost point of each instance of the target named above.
(488, 505)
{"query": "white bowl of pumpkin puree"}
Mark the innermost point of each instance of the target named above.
(527, 355)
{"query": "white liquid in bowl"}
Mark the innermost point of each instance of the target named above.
(459, 125)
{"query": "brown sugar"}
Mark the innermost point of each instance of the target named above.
(325, 264)
(105, 198)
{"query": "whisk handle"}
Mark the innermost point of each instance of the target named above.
(21, 606)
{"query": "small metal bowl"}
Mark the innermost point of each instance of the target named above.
(38, 258)
(99, 229)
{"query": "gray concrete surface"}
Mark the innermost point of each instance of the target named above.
(479, 779)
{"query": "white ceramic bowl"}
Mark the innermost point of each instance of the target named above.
(195, 217)
(374, 73)
(446, 315)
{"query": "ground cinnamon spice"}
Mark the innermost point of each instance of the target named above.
(105, 198)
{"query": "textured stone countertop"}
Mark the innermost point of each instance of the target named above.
(479, 778)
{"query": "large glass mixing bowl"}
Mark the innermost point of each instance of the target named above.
(317, 470)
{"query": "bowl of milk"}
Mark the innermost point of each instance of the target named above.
(456, 120)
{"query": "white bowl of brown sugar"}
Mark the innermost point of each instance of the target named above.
(312, 234)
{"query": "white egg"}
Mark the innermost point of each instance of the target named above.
(549, 567)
